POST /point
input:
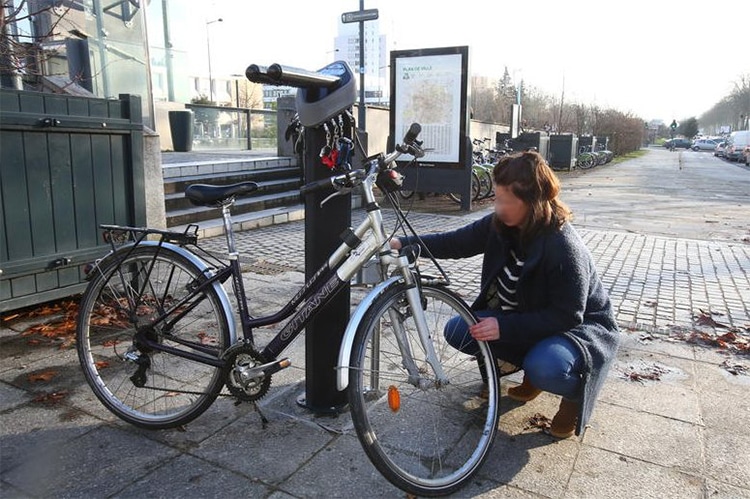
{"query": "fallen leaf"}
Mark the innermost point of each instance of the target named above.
(51, 398)
(706, 319)
(735, 368)
(646, 373)
(538, 421)
(42, 376)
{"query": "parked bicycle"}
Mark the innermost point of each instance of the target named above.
(482, 166)
(586, 158)
(157, 339)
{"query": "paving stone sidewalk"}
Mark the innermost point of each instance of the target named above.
(670, 422)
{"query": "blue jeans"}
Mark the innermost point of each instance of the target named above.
(553, 365)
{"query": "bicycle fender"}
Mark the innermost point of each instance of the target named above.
(203, 267)
(345, 352)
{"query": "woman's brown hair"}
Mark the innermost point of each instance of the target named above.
(531, 180)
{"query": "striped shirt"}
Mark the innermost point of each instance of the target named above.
(501, 293)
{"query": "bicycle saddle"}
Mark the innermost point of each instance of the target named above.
(208, 195)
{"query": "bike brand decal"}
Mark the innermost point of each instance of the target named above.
(308, 310)
(310, 283)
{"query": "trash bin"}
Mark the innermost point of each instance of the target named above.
(181, 128)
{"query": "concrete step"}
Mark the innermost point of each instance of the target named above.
(200, 167)
(196, 214)
(261, 176)
(275, 201)
(248, 221)
(176, 201)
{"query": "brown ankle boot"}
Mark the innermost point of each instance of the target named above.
(524, 392)
(564, 423)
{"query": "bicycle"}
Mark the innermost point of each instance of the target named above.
(483, 165)
(586, 159)
(157, 340)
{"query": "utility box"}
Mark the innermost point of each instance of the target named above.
(562, 151)
(500, 140)
(588, 142)
(536, 140)
(67, 165)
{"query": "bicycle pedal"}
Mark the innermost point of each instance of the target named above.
(267, 369)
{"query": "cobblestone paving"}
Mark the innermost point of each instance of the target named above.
(656, 283)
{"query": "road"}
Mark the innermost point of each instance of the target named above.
(683, 194)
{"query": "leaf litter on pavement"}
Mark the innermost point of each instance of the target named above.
(56, 324)
(733, 340)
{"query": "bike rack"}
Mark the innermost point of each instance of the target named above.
(322, 96)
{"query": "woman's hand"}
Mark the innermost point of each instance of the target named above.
(487, 329)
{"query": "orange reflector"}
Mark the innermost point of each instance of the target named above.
(394, 398)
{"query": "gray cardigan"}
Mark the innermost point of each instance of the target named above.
(559, 292)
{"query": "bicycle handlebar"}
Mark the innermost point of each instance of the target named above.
(410, 146)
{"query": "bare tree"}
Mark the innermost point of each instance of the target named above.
(732, 111)
(22, 56)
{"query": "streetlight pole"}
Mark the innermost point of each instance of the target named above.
(208, 47)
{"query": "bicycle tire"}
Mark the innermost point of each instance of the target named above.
(486, 181)
(124, 296)
(439, 436)
(585, 161)
(475, 189)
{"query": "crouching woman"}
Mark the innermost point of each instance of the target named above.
(542, 306)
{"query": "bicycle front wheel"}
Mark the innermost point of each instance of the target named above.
(425, 435)
(148, 294)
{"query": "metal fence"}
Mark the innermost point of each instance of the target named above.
(67, 165)
(222, 128)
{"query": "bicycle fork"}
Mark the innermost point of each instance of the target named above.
(414, 298)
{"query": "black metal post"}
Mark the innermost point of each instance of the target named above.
(324, 333)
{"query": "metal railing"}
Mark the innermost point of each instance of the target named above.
(222, 128)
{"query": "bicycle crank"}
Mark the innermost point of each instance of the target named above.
(248, 375)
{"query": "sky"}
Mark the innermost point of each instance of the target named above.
(655, 59)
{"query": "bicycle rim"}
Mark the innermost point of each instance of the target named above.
(486, 179)
(128, 295)
(476, 186)
(586, 162)
(436, 437)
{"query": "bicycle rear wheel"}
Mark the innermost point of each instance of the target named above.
(145, 387)
(427, 438)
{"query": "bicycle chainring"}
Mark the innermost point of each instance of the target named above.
(240, 359)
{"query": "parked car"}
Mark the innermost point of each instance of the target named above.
(719, 149)
(737, 142)
(703, 145)
(683, 143)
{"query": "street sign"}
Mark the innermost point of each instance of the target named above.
(359, 16)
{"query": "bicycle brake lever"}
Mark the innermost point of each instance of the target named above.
(341, 192)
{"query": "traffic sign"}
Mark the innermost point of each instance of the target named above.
(359, 16)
